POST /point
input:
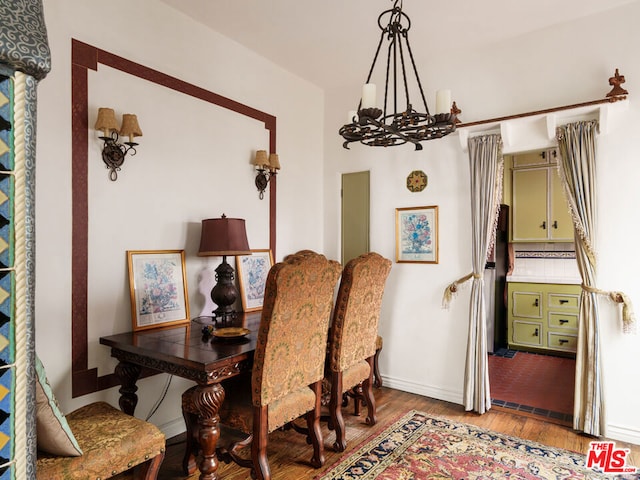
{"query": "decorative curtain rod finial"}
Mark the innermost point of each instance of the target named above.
(616, 81)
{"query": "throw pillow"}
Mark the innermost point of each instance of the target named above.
(53, 432)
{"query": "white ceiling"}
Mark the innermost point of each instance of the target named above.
(332, 42)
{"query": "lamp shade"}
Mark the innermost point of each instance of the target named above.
(223, 236)
(106, 121)
(261, 159)
(130, 127)
(274, 161)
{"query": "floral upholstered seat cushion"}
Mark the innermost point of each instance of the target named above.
(112, 442)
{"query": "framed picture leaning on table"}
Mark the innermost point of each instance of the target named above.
(252, 277)
(158, 286)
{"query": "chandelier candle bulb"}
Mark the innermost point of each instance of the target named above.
(443, 101)
(368, 95)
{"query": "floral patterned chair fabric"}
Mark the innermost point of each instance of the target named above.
(354, 335)
(112, 442)
(289, 359)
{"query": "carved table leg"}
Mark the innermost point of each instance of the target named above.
(128, 374)
(208, 399)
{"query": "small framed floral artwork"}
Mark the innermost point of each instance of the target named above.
(158, 286)
(252, 277)
(417, 235)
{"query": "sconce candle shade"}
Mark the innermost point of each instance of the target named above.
(106, 121)
(274, 162)
(130, 127)
(261, 159)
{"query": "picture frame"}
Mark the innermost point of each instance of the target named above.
(158, 288)
(417, 234)
(252, 277)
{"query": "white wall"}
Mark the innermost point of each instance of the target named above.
(192, 163)
(425, 345)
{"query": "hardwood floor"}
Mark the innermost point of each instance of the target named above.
(289, 454)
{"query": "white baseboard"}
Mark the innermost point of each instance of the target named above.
(624, 434)
(173, 427)
(438, 393)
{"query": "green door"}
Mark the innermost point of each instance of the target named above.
(355, 215)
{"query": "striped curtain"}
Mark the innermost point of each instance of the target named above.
(577, 168)
(485, 168)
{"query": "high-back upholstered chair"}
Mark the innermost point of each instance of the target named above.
(354, 333)
(289, 359)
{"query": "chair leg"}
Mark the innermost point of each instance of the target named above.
(259, 443)
(335, 411)
(376, 370)
(152, 467)
(313, 424)
(367, 392)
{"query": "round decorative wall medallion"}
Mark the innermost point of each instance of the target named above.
(417, 181)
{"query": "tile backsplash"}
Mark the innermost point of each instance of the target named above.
(545, 260)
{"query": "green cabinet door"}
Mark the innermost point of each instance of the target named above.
(530, 204)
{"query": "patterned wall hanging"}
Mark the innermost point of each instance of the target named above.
(417, 181)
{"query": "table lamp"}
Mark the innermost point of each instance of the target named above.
(221, 237)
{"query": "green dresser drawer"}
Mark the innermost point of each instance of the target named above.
(560, 341)
(564, 301)
(563, 320)
(527, 333)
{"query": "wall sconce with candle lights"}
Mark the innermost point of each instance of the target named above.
(113, 153)
(266, 166)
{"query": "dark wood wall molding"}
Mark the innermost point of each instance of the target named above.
(85, 380)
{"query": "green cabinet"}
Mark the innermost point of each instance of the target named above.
(540, 211)
(543, 316)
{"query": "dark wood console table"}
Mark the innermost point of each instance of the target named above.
(183, 351)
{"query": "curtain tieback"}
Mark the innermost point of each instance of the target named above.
(452, 288)
(628, 317)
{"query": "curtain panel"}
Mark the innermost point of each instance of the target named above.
(485, 169)
(577, 166)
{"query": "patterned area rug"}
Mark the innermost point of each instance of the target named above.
(419, 447)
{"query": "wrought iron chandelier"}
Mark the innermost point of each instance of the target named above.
(387, 127)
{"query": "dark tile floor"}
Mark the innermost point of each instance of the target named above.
(533, 383)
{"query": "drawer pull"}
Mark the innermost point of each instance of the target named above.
(555, 224)
(562, 341)
(544, 225)
(535, 334)
(562, 302)
(535, 303)
(563, 321)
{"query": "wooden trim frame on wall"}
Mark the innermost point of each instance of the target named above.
(85, 380)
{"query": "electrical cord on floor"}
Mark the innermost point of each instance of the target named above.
(160, 400)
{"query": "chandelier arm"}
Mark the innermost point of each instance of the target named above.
(404, 73)
(415, 71)
(386, 83)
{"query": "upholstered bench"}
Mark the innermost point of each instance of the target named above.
(111, 441)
